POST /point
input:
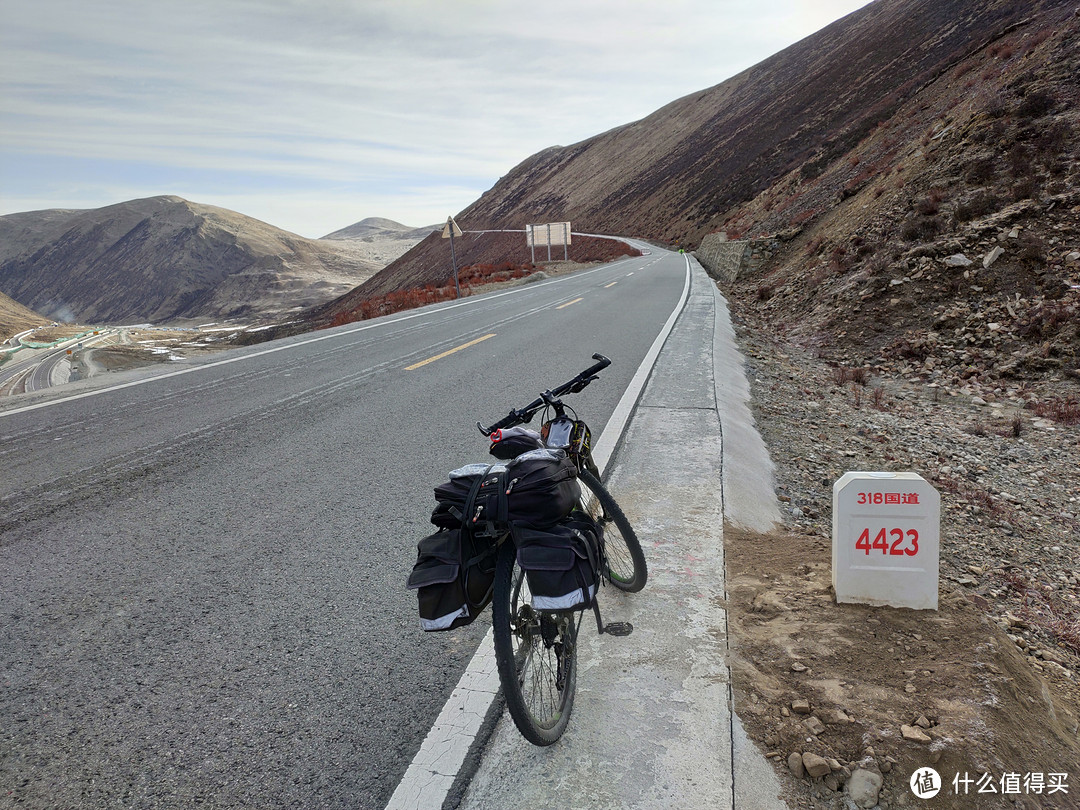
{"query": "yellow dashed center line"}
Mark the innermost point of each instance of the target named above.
(568, 303)
(612, 284)
(450, 351)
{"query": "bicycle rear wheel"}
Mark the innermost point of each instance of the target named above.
(627, 570)
(535, 652)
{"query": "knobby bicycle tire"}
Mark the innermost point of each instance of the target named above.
(535, 653)
(627, 570)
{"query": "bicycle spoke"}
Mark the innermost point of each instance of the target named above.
(543, 669)
(620, 563)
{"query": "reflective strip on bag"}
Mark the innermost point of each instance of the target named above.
(565, 602)
(444, 622)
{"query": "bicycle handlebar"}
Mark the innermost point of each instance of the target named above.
(523, 415)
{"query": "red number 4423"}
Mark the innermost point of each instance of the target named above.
(896, 542)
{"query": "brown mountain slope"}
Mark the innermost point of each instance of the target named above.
(31, 229)
(946, 243)
(164, 258)
(672, 175)
(14, 318)
(903, 134)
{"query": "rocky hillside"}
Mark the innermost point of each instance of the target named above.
(164, 258)
(859, 109)
(945, 244)
(917, 159)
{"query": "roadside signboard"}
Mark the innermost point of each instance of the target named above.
(550, 233)
(886, 540)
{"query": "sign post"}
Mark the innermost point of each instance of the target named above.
(886, 540)
(449, 231)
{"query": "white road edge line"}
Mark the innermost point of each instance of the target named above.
(431, 774)
(613, 430)
(304, 342)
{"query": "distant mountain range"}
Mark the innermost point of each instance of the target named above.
(898, 136)
(164, 258)
(378, 228)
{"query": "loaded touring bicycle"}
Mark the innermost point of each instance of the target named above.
(535, 534)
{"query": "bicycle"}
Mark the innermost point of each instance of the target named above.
(536, 650)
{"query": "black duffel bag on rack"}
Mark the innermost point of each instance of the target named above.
(541, 489)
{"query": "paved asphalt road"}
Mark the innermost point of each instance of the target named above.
(202, 596)
(36, 373)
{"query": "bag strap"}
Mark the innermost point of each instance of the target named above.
(470, 500)
(474, 520)
(470, 518)
(483, 555)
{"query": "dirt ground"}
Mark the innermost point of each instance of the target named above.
(985, 685)
(866, 672)
(141, 347)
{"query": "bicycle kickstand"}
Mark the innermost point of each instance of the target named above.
(611, 628)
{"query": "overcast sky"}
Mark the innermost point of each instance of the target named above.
(314, 114)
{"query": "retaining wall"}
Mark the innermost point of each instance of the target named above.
(726, 261)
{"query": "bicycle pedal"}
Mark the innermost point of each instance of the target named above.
(618, 628)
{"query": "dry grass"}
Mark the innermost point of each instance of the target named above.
(1043, 609)
(842, 375)
(1065, 410)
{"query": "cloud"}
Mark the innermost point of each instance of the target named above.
(375, 98)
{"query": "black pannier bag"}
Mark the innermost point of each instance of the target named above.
(540, 489)
(454, 577)
(454, 574)
(561, 562)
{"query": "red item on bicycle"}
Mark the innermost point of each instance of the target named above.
(510, 443)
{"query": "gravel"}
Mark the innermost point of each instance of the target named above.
(1010, 510)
